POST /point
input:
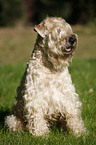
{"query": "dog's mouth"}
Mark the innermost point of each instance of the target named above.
(67, 50)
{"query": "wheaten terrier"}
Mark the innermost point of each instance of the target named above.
(46, 95)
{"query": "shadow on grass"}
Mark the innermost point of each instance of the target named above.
(3, 114)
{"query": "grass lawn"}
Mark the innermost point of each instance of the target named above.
(15, 48)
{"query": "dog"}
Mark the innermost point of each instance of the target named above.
(46, 95)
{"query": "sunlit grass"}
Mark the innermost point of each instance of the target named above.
(16, 44)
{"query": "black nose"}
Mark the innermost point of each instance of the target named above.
(71, 40)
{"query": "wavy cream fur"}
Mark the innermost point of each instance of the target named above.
(46, 95)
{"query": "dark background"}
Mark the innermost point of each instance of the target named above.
(34, 11)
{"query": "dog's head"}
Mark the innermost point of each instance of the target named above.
(58, 39)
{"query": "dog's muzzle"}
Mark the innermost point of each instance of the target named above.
(71, 43)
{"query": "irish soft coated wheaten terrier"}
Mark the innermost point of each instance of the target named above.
(46, 95)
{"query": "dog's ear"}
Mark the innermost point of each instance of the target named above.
(40, 29)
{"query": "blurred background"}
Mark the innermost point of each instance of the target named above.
(17, 17)
(34, 11)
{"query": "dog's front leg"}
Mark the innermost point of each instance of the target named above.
(75, 124)
(37, 125)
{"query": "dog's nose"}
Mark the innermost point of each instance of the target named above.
(71, 40)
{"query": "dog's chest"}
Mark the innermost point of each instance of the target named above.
(47, 88)
(52, 83)
(42, 83)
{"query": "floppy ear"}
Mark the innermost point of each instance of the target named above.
(40, 29)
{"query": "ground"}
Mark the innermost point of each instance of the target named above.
(14, 41)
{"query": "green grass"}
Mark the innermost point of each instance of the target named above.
(83, 72)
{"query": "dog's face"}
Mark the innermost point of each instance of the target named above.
(58, 37)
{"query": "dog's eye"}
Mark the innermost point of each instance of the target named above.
(71, 40)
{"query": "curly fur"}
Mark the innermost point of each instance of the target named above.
(46, 95)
